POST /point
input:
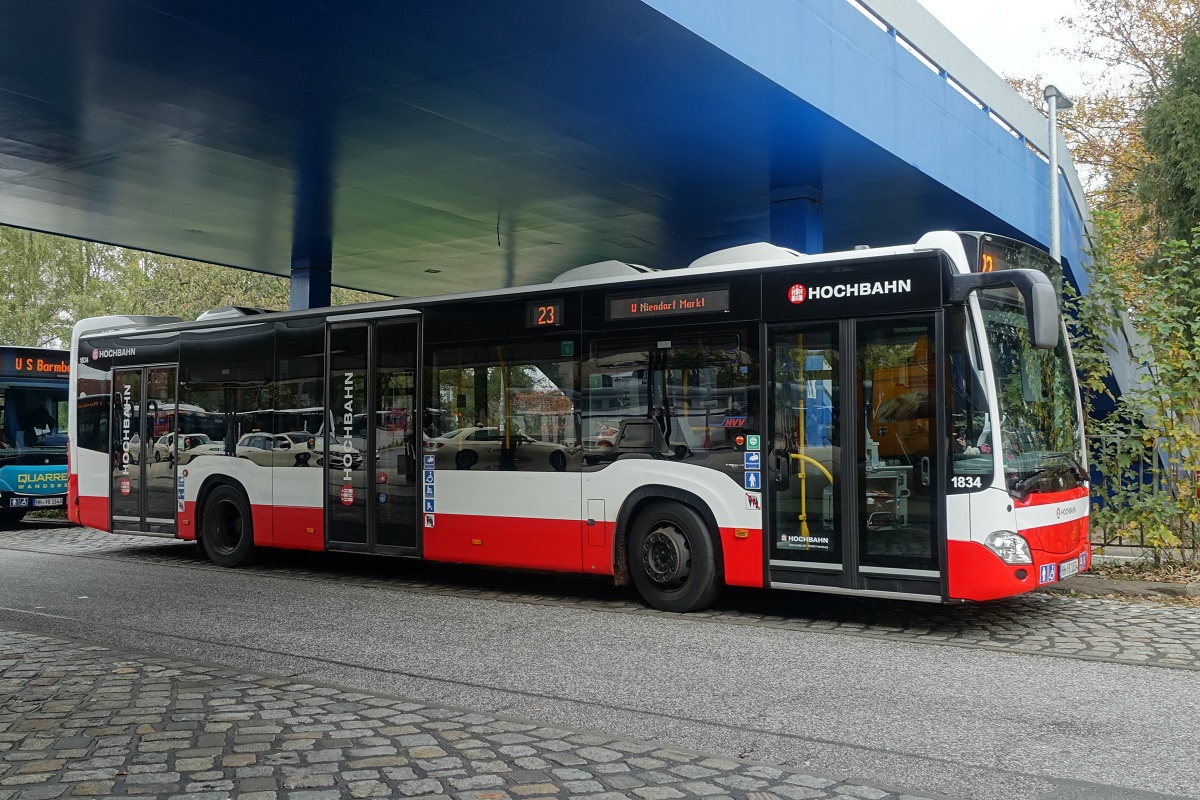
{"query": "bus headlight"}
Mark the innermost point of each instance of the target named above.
(1011, 547)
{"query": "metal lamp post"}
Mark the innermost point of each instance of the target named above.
(1056, 100)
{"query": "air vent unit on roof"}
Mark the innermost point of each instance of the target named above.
(602, 269)
(224, 312)
(746, 253)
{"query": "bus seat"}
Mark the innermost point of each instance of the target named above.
(641, 436)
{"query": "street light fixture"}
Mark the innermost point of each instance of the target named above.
(1056, 100)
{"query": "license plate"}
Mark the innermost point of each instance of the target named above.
(1068, 568)
(43, 502)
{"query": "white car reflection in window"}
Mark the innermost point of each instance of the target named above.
(293, 449)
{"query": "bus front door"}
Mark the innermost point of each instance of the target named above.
(854, 456)
(372, 476)
(143, 488)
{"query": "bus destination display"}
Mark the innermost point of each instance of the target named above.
(676, 303)
(996, 255)
(20, 363)
(544, 313)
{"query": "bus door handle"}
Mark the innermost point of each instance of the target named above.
(925, 471)
(781, 464)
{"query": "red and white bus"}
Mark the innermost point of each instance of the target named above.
(893, 422)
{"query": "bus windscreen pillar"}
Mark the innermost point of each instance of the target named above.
(796, 219)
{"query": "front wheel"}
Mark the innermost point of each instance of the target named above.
(227, 531)
(672, 558)
(11, 516)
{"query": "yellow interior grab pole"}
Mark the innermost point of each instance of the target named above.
(801, 455)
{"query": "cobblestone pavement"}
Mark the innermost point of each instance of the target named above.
(1100, 629)
(84, 721)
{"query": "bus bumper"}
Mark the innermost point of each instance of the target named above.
(976, 573)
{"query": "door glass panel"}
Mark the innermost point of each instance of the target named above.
(803, 450)
(395, 465)
(160, 448)
(127, 449)
(345, 473)
(897, 456)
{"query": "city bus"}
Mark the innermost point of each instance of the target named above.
(894, 422)
(33, 430)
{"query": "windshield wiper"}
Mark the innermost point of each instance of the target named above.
(1021, 486)
(1070, 458)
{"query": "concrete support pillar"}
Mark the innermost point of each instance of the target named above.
(311, 285)
(312, 223)
(796, 219)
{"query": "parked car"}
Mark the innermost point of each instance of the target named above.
(190, 446)
(134, 448)
(294, 449)
(484, 449)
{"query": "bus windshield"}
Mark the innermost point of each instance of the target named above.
(1040, 436)
(33, 419)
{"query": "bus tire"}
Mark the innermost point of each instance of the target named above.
(672, 558)
(227, 531)
(11, 516)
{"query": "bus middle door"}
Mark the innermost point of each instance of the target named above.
(143, 487)
(372, 453)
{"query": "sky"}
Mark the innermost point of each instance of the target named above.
(1015, 37)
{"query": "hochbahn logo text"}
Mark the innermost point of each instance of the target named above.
(114, 352)
(798, 292)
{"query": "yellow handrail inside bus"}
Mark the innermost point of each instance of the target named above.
(815, 463)
(800, 440)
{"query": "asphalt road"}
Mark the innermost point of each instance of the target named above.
(956, 721)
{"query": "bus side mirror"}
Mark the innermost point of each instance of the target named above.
(1042, 309)
(1041, 299)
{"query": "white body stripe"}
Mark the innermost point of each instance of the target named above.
(1053, 514)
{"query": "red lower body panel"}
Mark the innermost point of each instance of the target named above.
(284, 526)
(551, 544)
(90, 511)
(297, 528)
(743, 556)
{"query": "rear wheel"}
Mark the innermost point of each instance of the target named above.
(672, 558)
(227, 531)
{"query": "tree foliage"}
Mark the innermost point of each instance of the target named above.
(1170, 183)
(48, 282)
(1135, 135)
(1128, 43)
(1148, 451)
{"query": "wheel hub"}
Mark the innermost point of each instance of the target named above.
(666, 557)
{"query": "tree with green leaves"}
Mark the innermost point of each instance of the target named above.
(1170, 182)
(48, 282)
(1148, 450)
